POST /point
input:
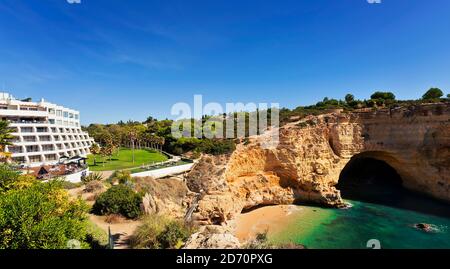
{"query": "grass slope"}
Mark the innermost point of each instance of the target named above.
(124, 160)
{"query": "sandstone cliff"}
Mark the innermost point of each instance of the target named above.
(306, 164)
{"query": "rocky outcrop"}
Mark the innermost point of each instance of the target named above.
(415, 141)
(306, 163)
(213, 237)
(168, 197)
(152, 205)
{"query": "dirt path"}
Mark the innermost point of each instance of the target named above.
(106, 174)
(120, 231)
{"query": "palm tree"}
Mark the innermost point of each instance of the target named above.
(111, 148)
(95, 150)
(148, 138)
(5, 140)
(117, 145)
(105, 152)
(132, 136)
(161, 141)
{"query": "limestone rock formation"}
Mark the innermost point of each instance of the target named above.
(306, 164)
(163, 196)
(213, 237)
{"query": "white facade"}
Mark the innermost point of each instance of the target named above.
(44, 132)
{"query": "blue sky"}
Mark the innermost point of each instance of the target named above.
(118, 60)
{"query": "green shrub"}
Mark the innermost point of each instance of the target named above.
(94, 187)
(349, 98)
(41, 217)
(70, 185)
(146, 235)
(433, 93)
(22, 182)
(383, 96)
(8, 177)
(262, 241)
(158, 232)
(118, 199)
(96, 237)
(174, 235)
(217, 146)
(122, 177)
(92, 177)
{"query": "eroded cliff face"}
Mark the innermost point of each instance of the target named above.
(415, 141)
(306, 164)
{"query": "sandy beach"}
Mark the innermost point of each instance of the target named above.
(268, 219)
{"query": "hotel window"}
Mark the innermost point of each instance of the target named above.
(71, 115)
(59, 113)
(50, 157)
(47, 147)
(15, 149)
(29, 139)
(59, 122)
(51, 111)
(35, 159)
(32, 149)
(66, 114)
(19, 159)
(77, 116)
(66, 123)
(45, 138)
(51, 121)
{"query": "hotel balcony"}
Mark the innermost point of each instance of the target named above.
(24, 113)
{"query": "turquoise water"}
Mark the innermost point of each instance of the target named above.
(320, 228)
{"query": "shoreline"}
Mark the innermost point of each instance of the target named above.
(269, 219)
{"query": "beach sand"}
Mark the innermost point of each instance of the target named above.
(270, 219)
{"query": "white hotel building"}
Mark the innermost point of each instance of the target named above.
(44, 132)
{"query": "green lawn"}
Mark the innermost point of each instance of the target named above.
(124, 160)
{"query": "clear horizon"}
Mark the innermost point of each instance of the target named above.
(135, 60)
